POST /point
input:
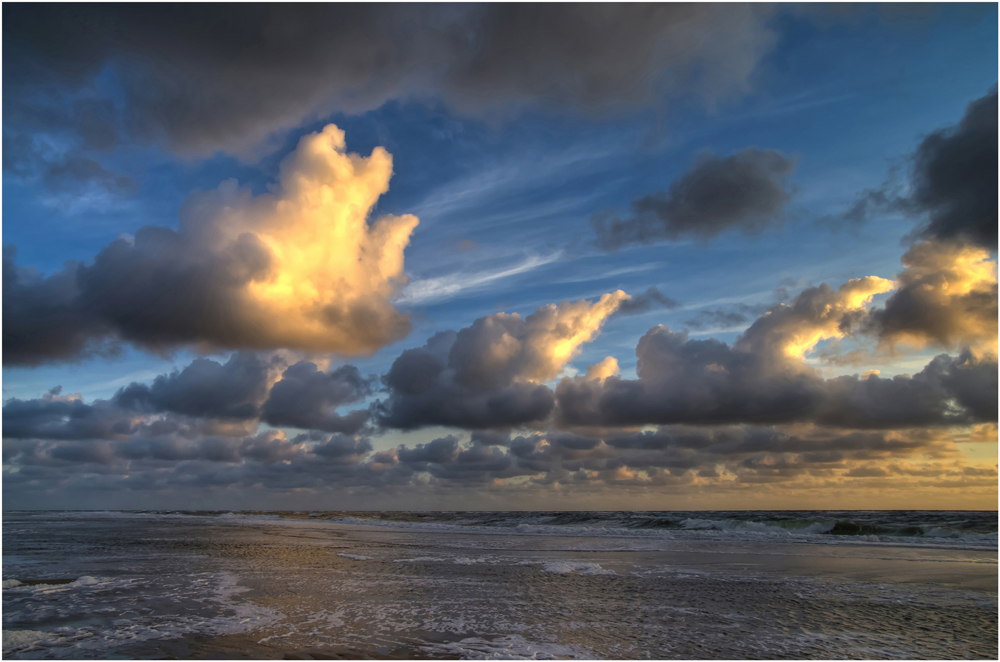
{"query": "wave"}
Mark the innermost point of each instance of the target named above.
(975, 529)
(966, 528)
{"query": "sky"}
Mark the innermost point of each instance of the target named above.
(534, 257)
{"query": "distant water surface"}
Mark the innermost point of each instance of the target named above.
(479, 585)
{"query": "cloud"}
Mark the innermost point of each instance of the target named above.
(298, 268)
(61, 148)
(695, 458)
(179, 82)
(489, 374)
(946, 297)
(746, 191)
(955, 177)
(763, 379)
(307, 398)
(786, 332)
(606, 367)
(641, 303)
(721, 318)
(953, 182)
(205, 389)
(43, 319)
(445, 287)
(60, 417)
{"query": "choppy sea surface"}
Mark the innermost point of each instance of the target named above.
(922, 528)
(500, 585)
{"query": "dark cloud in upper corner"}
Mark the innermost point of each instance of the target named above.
(955, 177)
(206, 78)
(953, 182)
(746, 191)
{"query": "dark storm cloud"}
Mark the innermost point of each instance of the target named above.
(204, 388)
(208, 77)
(953, 182)
(307, 398)
(205, 398)
(641, 303)
(955, 177)
(746, 191)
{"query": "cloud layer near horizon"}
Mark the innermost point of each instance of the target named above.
(753, 412)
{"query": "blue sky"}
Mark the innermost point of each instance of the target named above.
(849, 103)
(505, 206)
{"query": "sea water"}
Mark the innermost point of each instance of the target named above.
(556, 585)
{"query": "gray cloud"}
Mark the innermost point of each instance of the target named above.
(307, 398)
(181, 83)
(156, 291)
(953, 182)
(43, 319)
(57, 417)
(724, 318)
(641, 303)
(490, 374)
(955, 177)
(761, 379)
(746, 191)
(436, 385)
(204, 388)
(671, 455)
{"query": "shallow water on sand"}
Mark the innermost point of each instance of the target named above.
(174, 585)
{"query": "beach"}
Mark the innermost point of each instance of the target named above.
(335, 586)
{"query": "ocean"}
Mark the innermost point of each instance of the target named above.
(500, 585)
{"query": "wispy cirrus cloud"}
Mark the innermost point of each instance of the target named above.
(433, 290)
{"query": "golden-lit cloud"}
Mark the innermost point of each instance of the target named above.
(607, 367)
(491, 374)
(554, 333)
(947, 298)
(301, 267)
(330, 271)
(785, 334)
